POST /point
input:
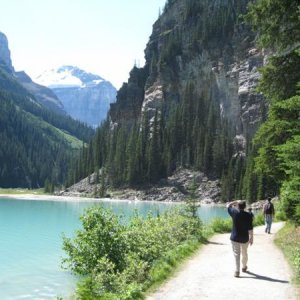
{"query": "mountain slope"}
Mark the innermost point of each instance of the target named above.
(37, 143)
(192, 105)
(42, 94)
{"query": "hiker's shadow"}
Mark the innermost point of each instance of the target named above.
(261, 277)
(213, 243)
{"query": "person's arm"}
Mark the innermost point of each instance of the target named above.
(232, 203)
(264, 209)
(250, 236)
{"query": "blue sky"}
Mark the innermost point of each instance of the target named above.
(100, 36)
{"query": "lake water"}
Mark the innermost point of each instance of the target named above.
(31, 242)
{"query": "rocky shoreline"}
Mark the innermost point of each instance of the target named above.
(172, 189)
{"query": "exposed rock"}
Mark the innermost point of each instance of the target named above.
(5, 60)
(85, 96)
(172, 189)
(42, 94)
(222, 66)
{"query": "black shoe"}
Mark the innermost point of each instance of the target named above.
(244, 269)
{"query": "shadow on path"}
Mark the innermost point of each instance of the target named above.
(260, 277)
(215, 243)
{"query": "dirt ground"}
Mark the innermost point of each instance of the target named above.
(209, 274)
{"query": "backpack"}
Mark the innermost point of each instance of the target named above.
(268, 208)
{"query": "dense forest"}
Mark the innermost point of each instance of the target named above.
(189, 131)
(134, 149)
(36, 143)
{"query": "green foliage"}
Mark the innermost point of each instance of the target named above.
(48, 187)
(164, 267)
(36, 143)
(288, 239)
(280, 77)
(102, 236)
(259, 219)
(191, 202)
(121, 261)
(221, 225)
(276, 21)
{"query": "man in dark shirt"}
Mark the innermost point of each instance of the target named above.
(241, 234)
(269, 213)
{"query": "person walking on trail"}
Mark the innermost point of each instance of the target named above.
(269, 213)
(241, 234)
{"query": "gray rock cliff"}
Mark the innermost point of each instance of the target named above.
(42, 94)
(206, 45)
(85, 96)
(5, 60)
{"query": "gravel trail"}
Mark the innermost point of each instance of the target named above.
(209, 274)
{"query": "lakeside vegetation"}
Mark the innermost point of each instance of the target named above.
(288, 240)
(20, 191)
(122, 261)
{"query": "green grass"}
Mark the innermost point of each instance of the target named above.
(288, 240)
(166, 267)
(19, 191)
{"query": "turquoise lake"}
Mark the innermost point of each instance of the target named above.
(31, 242)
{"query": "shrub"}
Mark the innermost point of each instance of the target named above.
(117, 259)
(259, 219)
(102, 236)
(221, 225)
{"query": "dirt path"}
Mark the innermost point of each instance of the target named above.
(209, 274)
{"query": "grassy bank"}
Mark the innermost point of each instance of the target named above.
(288, 240)
(19, 191)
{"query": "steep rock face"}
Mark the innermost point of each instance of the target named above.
(85, 96)
(5, 60)
(201, 42)
(42, 94)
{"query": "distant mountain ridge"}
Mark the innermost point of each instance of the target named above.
(85, 96)
(37, 140)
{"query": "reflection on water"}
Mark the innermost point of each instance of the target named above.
(31, 242)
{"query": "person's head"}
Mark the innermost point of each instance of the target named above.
(269, 199)
(250, 209)
(242, 205)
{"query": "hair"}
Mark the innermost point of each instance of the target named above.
(242, 205)
(269, 198)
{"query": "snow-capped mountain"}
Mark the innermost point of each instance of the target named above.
(67, 76)
(85, 96)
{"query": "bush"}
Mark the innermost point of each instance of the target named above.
(117, 259)
(288, 239)
(221, 225)
(102, 236)
(259, 219)
(290, 196)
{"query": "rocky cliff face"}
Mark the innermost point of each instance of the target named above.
(200, 81)
(5, 60)
(85, 96)
(202, 42)
(42, 94)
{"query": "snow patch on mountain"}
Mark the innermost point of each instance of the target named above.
(68, 77)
